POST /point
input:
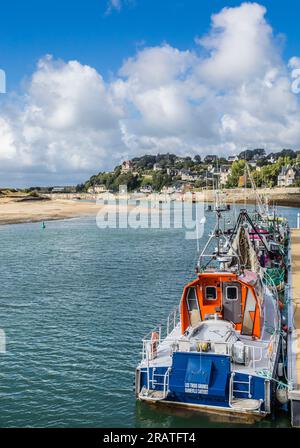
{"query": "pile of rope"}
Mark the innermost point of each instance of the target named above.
(275, 277)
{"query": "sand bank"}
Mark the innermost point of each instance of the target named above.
(280, 196)
(18, 209)
(13, 210)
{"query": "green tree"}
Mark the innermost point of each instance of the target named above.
(237, 170)
(161, 179)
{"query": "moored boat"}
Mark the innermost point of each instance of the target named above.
(222, 350)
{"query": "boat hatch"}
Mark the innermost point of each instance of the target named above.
(195, 376)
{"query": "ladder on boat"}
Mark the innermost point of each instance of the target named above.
(245, 403)
(150, 392)
(246, 391)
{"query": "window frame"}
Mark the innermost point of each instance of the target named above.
(216, 293)
(237, 293)
(194, 298)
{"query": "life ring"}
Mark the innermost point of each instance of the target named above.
(154, 344)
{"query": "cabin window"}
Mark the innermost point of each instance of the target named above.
(232, 293)
(192, 300)
(249, 314)
(193, 307)
(210, 293)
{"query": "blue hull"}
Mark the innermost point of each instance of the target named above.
(204, 380)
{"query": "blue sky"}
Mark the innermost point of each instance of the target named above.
(82, 30)
(91, 83)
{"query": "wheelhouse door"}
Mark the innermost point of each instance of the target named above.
(232, 305)
(193, 306)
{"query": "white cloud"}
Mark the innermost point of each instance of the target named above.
(113, 5)
(240, 46)
(235, 91)
(67, 122)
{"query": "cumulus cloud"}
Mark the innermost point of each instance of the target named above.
(239, 46)
(113, 5)
(66, 122)
(234, 91)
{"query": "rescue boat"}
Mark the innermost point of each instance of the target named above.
(220, 350)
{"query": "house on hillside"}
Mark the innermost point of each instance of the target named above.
(168, 190)
(213, 169)
(210, 158)
(126, 166)
(288, 176)
(187, 175)
(157, 167)
(172, 172)
(146, 189)
(224, 174)
(97, 189)
(58, 190)
(65, 189)
(271, 159)
(252, 163)
(232, 159)
(180, 160)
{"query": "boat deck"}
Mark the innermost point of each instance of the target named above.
(164, 354)
(294, 326)
(296, 296)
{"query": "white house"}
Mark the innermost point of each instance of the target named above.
(96, 189)
(233, 158)
(146, 189)
(189, 175)
(252, 163)
(224, 174)
(288, 176)
(126, 166)
(157, 167)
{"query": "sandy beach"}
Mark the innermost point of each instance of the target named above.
(17, 210)
(20, 209)
(286, 196)
(13, 211)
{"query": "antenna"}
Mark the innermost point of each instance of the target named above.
(220, 254)
(259, 202)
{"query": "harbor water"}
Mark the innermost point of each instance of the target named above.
(75, 302)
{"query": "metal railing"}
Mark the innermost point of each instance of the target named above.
(175, 344)
(162, 332)
(253, 359)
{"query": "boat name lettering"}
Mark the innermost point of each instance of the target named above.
(196, 388)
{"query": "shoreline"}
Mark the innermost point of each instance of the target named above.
(285, 196)
(13, 211)
(16, 209)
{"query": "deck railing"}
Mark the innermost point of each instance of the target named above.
(163, 330)
(162, 333)
(172, 344)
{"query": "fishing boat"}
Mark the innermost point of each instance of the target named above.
(222, 349)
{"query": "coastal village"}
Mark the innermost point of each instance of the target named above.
(168, 173)
(276, 175)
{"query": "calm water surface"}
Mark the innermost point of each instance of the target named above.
(75, 302)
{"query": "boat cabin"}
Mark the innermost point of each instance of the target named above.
(227, 296)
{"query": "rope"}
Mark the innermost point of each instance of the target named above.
(268, 376)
